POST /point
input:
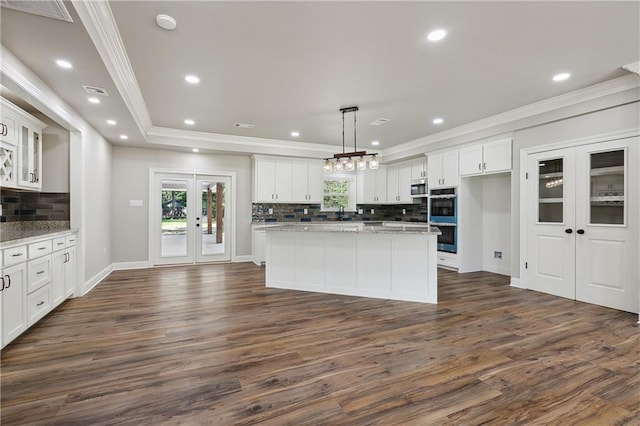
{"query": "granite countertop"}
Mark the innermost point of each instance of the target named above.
(369, 227)
(34, 236)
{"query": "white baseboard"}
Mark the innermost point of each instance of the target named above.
(122, 266)
(245, 258)
(96, 279)
(515, 282)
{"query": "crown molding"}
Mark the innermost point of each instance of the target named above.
(97, 18)
(21, 80)
(596, 91)
(240, 144)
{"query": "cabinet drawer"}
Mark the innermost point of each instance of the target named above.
(12, 256)
(59, 243)
(71, 240)
(450, 260)
(38, 304)
(38, 273)
(39, 249)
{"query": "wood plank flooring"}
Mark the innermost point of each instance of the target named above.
(211, 345)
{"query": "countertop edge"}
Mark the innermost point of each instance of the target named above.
(35, 238)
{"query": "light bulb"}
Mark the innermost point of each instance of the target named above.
(350, 165)
(338, 166)
(374, 163)
(361, 164)
(328, 166)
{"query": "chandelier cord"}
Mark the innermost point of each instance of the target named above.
(343, 151)
(355, 147)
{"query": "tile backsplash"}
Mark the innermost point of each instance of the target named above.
(296, 213)
(26, 213)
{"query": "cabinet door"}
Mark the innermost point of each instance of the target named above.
(392, 185)
(497, 156)
(450, 176)
(471, 161)
(300, 181)
(404, 184)
(58, 291)
(30, 157)
(9, 128)
(283, 181)
(265, 180)
(434, 170)
(14, 302)
(70, 272)
(419, 169)
(316, 179)
(381, 185)
(8, 165)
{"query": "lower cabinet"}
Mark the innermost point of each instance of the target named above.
(14, 303)
(38, 304)
(447, 260)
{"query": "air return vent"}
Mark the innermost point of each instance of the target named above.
(243, 125)
(380, 121)
(50, 9)
(92, 90)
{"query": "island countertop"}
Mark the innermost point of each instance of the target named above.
(357, 227)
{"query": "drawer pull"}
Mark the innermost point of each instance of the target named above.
(59, 244)
(42, 248)
(40, 304)
(8, 277)
(39, 272)
(17, 255)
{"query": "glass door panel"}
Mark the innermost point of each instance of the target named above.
(174, 229)
(213, 241)
(607, 192)
(550, 191)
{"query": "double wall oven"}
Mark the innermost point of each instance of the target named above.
(443, 214)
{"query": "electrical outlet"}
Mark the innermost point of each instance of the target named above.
(306, 211)
(404, 211)
(497, 254)
(360, 211)
(373, 211)
(270, 211)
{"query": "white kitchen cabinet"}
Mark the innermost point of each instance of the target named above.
(272, 180)
(257, 245)
(491, 157)
(14, 302)
(419, 168)
(399, 183)
(306, 181)
(443, 169)
(372, 186)
(62, 274)
(20, 148)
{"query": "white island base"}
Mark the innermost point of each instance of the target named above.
(388, 265)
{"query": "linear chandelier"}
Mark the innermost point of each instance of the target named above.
(350, 161)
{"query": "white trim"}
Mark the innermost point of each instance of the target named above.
(97, 18)
(241, 259)
(515, 282)
(123, 266)
(96, 279)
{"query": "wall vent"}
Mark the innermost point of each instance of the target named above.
(54, 9)
(93, 90)
(243, 125)
(380, 122)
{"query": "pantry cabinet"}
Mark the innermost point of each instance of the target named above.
(20, 148)
(443, 169)
(490, 157)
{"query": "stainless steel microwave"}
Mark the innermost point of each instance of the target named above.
(419, 189)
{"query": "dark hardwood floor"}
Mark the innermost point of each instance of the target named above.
(210, 345)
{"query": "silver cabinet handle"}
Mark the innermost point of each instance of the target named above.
(8, 277)
(2, 278)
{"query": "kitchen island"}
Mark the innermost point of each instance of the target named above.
(384, 260)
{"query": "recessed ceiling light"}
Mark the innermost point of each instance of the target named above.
(166, 22)
(94, 100)
(438, 120)
(436, 35)
(111, 122)
(375, 143)
(189, 122)
(192, 79)
(64, 64)
(195, 150)
(124, 137)
(295, 134)
(561, 77)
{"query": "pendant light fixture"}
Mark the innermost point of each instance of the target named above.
(350, 161)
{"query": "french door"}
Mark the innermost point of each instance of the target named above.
(583, 223)
(189, 218)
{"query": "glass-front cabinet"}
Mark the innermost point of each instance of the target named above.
(607, 187)
(31, 156)
(550, 190)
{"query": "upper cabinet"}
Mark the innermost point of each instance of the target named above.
(399, 183)
(419, 169)
(491, 157)
(306, 181)
(372, 186)
(20, 148)
(443, 169)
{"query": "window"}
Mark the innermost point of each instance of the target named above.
(339, 192)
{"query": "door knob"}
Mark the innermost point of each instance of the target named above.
(568, 231)
(580, 231)
(197, 224)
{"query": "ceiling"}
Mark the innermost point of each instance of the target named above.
(290, 66)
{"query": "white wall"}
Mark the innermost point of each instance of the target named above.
(130, 181)
(496, 222)
(55, 157)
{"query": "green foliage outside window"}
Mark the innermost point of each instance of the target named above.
(336, 194)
